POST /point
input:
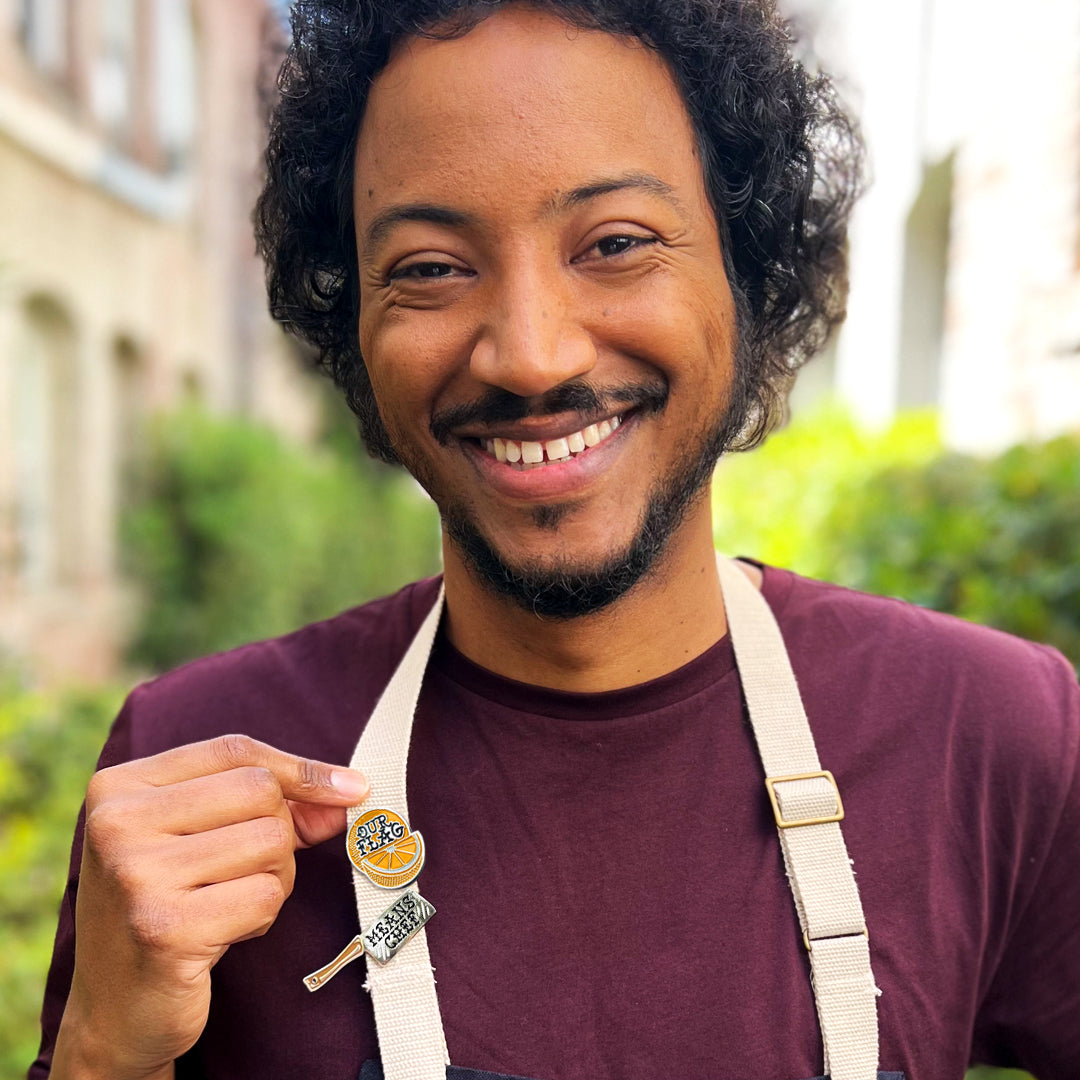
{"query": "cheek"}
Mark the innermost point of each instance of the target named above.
(411, 357)
(686, 329)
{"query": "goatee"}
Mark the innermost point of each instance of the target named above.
(561, 590)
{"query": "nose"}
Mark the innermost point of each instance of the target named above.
(532, 342)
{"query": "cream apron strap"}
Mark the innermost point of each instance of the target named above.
(807, 807)
(411, 1041)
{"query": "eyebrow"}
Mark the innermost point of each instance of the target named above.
(384, 222)
(594, 189)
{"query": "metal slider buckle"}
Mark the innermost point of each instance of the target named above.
(784, 823)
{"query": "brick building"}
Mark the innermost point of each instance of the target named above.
(130, 138)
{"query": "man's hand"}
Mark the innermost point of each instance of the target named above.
(185, 853)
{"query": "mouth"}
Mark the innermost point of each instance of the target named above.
(536, 454)
(557, 463)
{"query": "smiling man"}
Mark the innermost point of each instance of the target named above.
(560, 257)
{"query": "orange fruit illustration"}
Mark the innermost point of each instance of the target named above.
(396, 856)
(381, 846)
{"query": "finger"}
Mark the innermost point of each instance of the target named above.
(207, 802)
(316, 824)
(232, 911)
(213, 802)
(263, 845)
(301, 779)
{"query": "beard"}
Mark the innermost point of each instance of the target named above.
(561, 589)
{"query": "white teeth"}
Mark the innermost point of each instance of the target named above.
(530, 454)
(557, 449)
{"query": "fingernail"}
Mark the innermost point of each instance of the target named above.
(352, 785)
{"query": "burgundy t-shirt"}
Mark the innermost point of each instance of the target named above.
(610, 894)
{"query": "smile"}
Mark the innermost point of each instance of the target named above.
(525, 454)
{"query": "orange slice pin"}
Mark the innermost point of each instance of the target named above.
(384, 849)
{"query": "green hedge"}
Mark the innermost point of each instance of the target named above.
(993, 540)
(997, 541)
(48, 746)
(776, 504)
(235, 535)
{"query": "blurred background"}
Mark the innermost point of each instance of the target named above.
(174, 481)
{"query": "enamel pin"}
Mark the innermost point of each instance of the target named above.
(383, 940)
(390, 855)
(384, 849)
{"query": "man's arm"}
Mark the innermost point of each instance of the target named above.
(1030, 1016)
(184, 854)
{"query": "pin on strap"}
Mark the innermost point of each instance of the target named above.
(385, 938)
(412, 1045)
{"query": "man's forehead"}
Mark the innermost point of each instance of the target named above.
(501, 34)
(525, 93)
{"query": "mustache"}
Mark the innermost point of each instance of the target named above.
(501, 406)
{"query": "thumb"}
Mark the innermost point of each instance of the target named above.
(314, 823)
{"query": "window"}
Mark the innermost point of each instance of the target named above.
(926, 266)
(131, 393)
(45, 429)
(113, 80)
(175, 81)
(45, 32)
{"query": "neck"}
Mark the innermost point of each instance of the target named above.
(672, 615)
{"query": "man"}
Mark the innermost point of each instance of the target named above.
(559, 257)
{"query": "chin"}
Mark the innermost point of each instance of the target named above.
(550, 584)
(547, 583)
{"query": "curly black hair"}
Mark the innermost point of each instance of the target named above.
(782, 163)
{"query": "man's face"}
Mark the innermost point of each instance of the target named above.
(545, 316)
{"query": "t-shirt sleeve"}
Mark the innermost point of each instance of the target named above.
(1030, 1016)
(58, 982)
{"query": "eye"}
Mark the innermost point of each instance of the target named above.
(616, 245)
(424, 271)
(611, 247)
